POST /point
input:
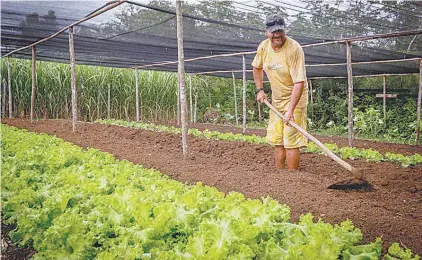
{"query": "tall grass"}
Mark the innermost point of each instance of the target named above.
(104, 92)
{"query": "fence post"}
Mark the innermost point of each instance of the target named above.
(181, 72)
(244, 96)
(137, 94)
(73, 79)
(419, 104)
(235, 99)
(9, 83)
(350, 93)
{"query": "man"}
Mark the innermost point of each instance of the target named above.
(283, 61)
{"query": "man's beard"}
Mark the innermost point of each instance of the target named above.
(277, 41)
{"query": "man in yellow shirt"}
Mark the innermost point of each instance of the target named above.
(283, 61)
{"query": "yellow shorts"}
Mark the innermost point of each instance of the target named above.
(280, 134)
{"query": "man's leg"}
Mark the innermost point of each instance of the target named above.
(280, 156)
(293, 158)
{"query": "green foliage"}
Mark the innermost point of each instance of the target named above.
(395, 252)
(371, 251)
(214, 96)
(157, 94)
(328, 114)
(405, 161)
(175, 130)
(368, 123)
(71, 203)
(369, 155)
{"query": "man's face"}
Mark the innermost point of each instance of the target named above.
(277, 37)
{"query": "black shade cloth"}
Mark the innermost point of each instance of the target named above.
(101, 42)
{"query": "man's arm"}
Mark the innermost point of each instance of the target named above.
(294, 99)
(298, 74)
(296, 94)
(258, 77)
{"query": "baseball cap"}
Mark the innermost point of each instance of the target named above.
(275, 22)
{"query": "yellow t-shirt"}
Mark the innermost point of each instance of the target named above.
(283, 68)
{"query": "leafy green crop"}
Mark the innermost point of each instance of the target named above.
(396, 252)
(345, 152)
(71, 203)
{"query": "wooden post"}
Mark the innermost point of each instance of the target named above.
(259, 111)
(137, 94)
(244, 96)
(9, 84)
(235, 99)
(350, 93)
(73, 79)
(419, 104)
(181, 74)
(196, 108)
(190, 98)
(108, 101)
(311, 91)
(312, 99)
(34, 81)
(141, 112)
(98, 103)
(178, 102)
(209, 97)
(3, 99)
(384, 100)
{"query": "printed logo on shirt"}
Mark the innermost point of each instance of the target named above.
(275, 66)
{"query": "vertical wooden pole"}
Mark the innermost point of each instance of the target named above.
(81, 111)
(419, 104)
(181, 73)
(34, 81)
(108, 102)
(259, 111)
(137, 94)
(209, 97)
(73, 79)
(244, 96)
(384, 100)
(3, 99)
(9, 84)
(141, 111)
(190, 98)
(350, 93)
(196, 108)
(235, 99)
(311, 91)
(98, 104)
(312, 99)
(178, 102)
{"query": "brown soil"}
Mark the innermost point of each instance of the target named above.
(381, 147)
(393, 211)
(11, 251)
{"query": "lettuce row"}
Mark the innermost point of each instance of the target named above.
(352, 153)
(71, 203)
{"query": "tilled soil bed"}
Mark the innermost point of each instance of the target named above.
(393, 211)
(340, 141)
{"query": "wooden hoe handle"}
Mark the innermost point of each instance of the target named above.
(313, 139)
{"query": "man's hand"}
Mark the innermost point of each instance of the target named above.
(289, 116)
(260, 96)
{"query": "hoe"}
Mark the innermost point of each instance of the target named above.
(355, 183)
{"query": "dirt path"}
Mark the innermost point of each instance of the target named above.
(393, 211)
